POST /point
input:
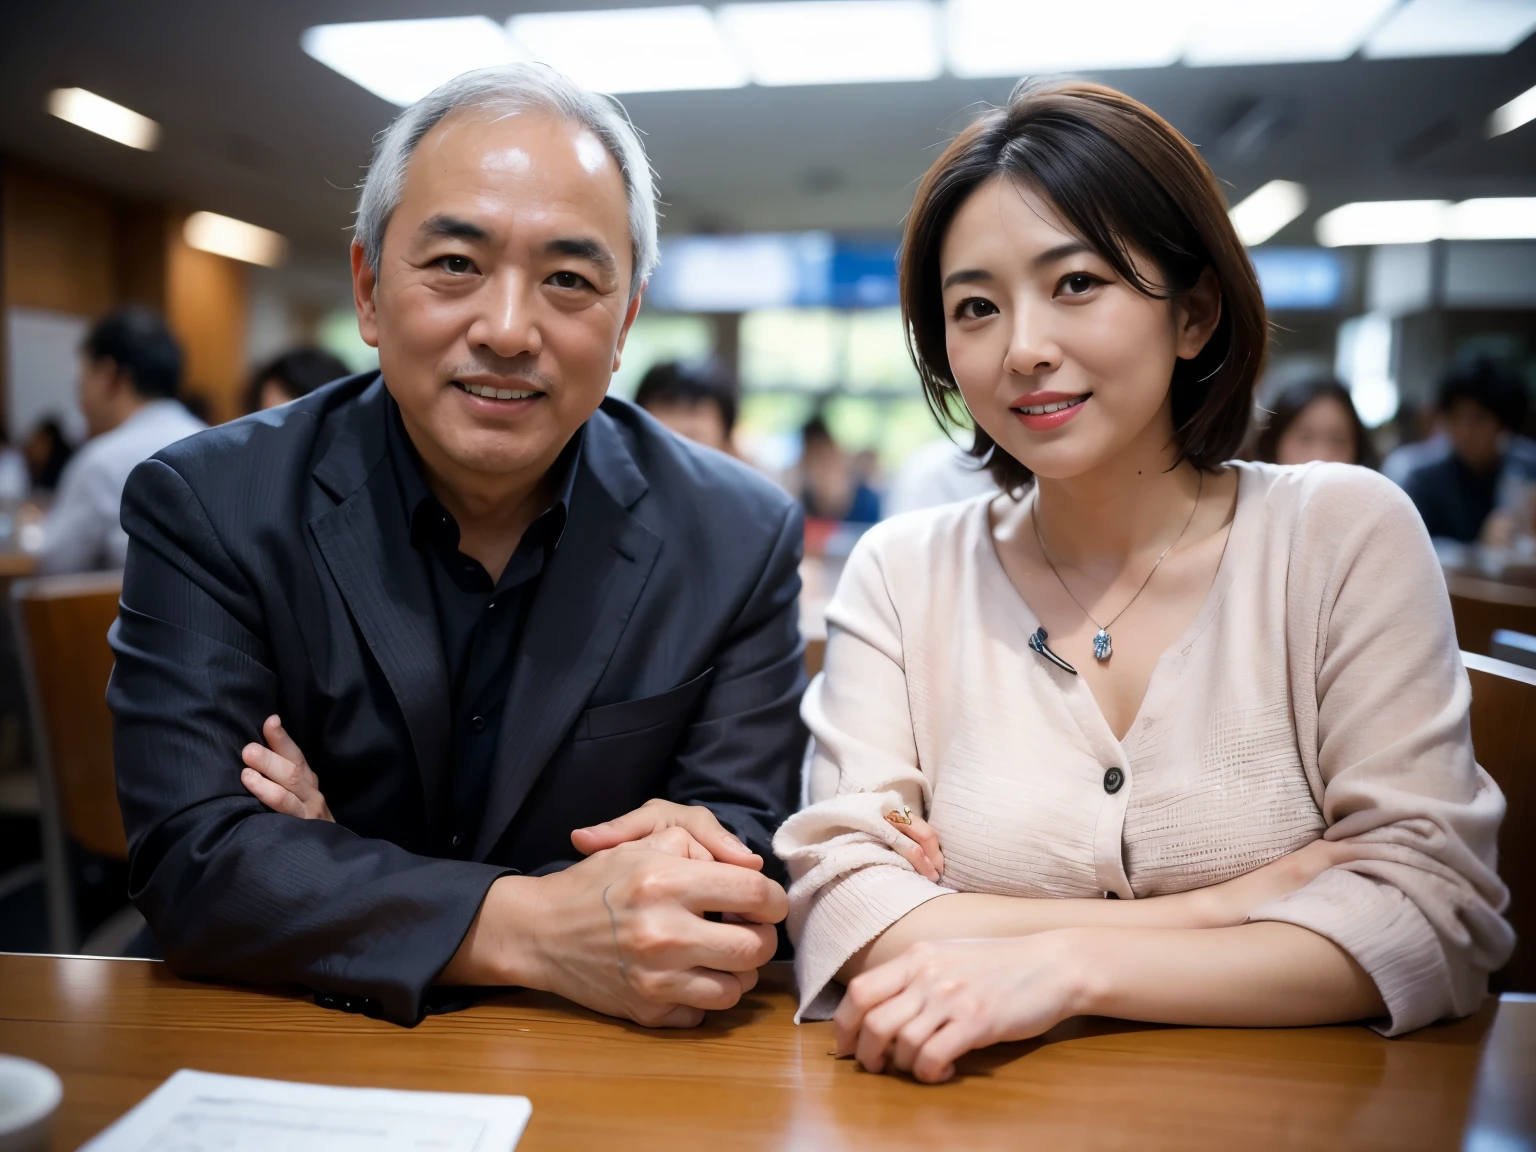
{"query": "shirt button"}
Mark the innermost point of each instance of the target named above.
(1113, 778)
(1111, 895)
(457, 840)
(478, 724)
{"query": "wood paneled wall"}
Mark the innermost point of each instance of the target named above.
(67, 246)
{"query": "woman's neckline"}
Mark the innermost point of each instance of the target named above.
(1236, 546)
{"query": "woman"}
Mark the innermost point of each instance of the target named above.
(1314, 420)
(1149, 735)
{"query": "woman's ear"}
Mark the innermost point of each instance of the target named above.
(1196, 314)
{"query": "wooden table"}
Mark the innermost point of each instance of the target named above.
(750, 1079)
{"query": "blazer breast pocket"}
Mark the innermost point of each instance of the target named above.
(633, 716)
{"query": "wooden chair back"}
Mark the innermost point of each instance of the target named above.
(61, 628)
(1504, 739)
(1481, 607)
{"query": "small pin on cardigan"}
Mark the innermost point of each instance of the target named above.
(1037, 642)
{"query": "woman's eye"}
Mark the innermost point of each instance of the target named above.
(1078, 283)
(457, 265)
(974, 308)
(569, 280)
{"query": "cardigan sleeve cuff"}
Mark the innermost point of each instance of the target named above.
(1385, 933)
(846, 915)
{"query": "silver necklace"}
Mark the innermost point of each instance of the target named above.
(1103, 645)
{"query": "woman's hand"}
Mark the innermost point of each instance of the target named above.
(921, 846)
(937, 1001)
(280, 777)
(1227, 904)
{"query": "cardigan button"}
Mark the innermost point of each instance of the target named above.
(1113, 778)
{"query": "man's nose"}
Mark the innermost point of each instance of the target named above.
(507, 319)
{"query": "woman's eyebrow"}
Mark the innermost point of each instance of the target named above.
(1060, 252)
(966, 276)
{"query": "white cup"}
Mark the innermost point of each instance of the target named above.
(29, 1097)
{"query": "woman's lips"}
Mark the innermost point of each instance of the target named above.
(1045, 413)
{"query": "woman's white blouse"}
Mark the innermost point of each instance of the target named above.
(1318, 691)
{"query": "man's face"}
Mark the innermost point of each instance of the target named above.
(98, 386)
(1475, 434)
(701, 421)
(501, 301)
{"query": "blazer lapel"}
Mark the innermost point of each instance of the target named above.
(584, 601)
(367, 547)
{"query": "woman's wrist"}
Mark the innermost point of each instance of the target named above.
(1082, 965)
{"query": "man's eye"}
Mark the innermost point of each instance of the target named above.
(457, 265)
(974, 308)
(1078, 283)
(569, 280)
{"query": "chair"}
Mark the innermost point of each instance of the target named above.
(1504, 738)
(1481, 607)
(61, 632)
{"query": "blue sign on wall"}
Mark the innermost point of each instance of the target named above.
(1300, 278)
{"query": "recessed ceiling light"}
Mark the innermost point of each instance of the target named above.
(1382, 222)
(99, 115)
(1508, 117)
(226, 236)
(1453, 28)
(402, 60)
(1495, 218)
(632, 49)
(1298, 30)
(1264, 212)
(836, 41)
(1023, 37)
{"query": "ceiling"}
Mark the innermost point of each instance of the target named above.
(254, 128)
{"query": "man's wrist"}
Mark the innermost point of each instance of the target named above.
(500, 948)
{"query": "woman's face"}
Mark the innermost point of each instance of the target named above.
(1321, 431)
(1060, 361)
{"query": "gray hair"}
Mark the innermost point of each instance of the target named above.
(512, 88)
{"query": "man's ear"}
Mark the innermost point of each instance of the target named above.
(364, 281)
(1196, 314)
(629, 322)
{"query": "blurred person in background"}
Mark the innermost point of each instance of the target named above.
(293, 374)
(1315, 420)
(697, 401)
(1483, 459)
(47, 451)
(831, 487)
(941, 472)
(130, 374)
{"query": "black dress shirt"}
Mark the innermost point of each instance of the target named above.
(480, 620)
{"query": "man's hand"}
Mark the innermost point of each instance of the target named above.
(657, 816)
(623, 932)
(280, 777)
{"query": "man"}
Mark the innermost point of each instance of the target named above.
(491, 607)
(695, 401)
(130, 372)
(295, 373)
(1481, 408)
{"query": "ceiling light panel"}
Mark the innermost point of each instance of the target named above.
(402, 60)
(1498, 218)
(1508, 117)
(99, 115)
(1382, 222)
(836, 41)
(1453, 28)
(1026, 37)
(226, 236)
(1266, 211)
(632, 49)
(1228, 32)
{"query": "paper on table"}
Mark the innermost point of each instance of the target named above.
(202, 1111)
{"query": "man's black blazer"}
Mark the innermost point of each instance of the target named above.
(270, 569)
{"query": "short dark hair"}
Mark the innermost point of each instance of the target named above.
(1484, 383)
(677, 382)
(299, 371)
(138, 342)
(1295, 400)
(1127, 182)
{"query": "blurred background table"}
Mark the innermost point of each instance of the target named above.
(750, 1079)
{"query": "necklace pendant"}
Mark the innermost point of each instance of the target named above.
(1103, 646)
